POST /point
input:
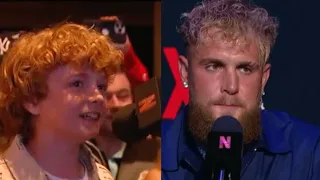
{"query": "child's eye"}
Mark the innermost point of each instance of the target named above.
(102, 87)
(77, 84)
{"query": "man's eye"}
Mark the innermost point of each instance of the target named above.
(123, 96)
(246, 70)
(212, 67)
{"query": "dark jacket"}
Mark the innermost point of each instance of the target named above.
(288, 149)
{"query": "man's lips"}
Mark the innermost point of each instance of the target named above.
(227, 106)
(235, 105)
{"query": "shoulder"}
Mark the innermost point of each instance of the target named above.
(297, 132)
(173, 125)
(2, 165)
(289, 122)
(4, 171)
(103, 172)
(302, 129)
(165, 125)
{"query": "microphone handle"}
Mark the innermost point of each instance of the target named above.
(222, 175)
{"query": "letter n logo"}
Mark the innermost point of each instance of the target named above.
(225, 142)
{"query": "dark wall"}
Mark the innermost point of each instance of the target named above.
(138, 16)
(35, 14)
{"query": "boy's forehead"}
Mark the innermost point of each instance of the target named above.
(72, 70)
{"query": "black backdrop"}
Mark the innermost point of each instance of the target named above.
(293, 86)
(29, 15)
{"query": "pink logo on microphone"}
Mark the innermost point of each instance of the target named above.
(225, 142)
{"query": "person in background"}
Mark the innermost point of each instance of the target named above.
(52, 100)
(107, 148)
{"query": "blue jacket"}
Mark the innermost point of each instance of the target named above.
(288, 149)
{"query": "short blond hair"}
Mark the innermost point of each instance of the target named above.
(233, 19)
(25, 67)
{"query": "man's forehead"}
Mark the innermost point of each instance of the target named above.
(214, 34)
(215, 38)
(119, 82)
(214, 47)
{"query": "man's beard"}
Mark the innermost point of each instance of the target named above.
(200, 122)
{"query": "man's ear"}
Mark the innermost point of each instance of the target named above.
(265, 75)
(183, 68)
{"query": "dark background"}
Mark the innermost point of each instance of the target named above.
(294, 83)
(138, 17)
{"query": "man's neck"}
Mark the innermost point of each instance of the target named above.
(109, 145)
(58, 156)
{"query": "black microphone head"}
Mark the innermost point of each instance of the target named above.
(125, 125)
(125, 112)
(227, 124)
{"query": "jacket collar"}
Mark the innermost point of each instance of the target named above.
(22, 165)
(177, 147)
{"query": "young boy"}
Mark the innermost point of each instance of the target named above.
(52, 92)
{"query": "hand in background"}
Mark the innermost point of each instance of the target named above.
(135, 69)
(123, 47)
(155, 173)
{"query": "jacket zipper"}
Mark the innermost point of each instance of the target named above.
(245, 167)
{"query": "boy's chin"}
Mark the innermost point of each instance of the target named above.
(87, 134)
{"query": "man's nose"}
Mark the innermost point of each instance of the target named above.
(230, 82)
(113, 101)
(114, 104)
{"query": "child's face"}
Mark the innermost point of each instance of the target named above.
(74, 104)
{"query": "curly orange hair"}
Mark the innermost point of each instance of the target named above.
(34, 55)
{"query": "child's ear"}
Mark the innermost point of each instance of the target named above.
(32, 107)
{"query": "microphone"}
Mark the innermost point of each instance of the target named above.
(224, 150)
(136, 121)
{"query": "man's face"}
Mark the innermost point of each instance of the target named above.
(119, 94)
(224, 79)
(74, 105)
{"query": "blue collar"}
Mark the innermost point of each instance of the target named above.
(178, 147)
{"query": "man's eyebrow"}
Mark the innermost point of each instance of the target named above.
(212, 60)
(220, 62)
(123, 90)
(251, 64)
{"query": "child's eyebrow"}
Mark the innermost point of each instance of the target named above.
(81, 74)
